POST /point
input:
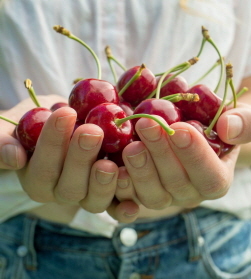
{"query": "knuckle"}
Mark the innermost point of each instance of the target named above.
(158, 204)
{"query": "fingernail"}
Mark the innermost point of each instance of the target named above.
(130, 214)
(9, 155)
(181, 138)
(138, 160)
(104, 177)
(63, 122)
(151, 133)
(123, 183)
(235, 126)
(89, 141)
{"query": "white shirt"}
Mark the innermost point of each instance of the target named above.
(158, 33)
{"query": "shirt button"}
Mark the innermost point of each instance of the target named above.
(128, 236)
(135, 276)
(22, 251)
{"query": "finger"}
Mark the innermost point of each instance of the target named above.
(172, 174)
(125, 189)
(45, 166)
(144, 176)
(12, 154)
(233, 126)
(102, 186)
(125, 211)
(207, 172)
(82, 153)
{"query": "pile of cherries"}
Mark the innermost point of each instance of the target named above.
(116, 108)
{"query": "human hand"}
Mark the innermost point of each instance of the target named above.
(12, 154)
(63, 170)
(180, 170)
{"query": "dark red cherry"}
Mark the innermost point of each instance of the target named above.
(163, 108)
(58, 105)
(219, 147)
(177, 85)
(30, 125)
(140, 88)
(115, 137)
(88, 93)
(205, 109)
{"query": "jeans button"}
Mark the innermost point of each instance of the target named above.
(128, 236)
(22, 251)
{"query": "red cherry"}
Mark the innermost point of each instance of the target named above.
(30, 126)
(88, 93)
(219, 147)
(205, 109)
(58, 105)
(177, 85)
(127, 108)
(115, 137)
(140, 88)
(163, 108)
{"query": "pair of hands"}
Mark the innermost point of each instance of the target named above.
(160, 170)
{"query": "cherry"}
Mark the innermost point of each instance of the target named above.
(127, 107)
(163, 108)
(177, 85)
(30, 126)
(220, 148)
(58, 105)
(140, 88)
(205, 109)
(116, 137)
(88, 93)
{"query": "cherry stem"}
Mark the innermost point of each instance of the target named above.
(207, 37)
(133, 78)
(189, 97)
(238, 95)
(120, 121)
(229, 76)
(111, 58)
(201, 47)
(233, 93)
(8, 120)
(181, 68)
(75, 81)
(67, 33)
(32, 93)
(216, 64)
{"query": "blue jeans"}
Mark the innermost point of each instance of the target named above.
(198, 244)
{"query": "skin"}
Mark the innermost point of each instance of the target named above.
(183, 168)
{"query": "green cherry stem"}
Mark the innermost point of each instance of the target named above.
(111, 58)
(134, 77)
(8, 120)
(207, 37)
(189, 97)
(215, 65)
(120, 121)
(238, 95)
(180, 68)
(32, 93)
(67, 33)
(229, 75)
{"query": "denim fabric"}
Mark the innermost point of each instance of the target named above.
(199, 244)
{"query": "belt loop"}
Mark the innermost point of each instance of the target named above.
(30, 258)
(195, 240)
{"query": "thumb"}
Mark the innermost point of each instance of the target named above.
(234, 127)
